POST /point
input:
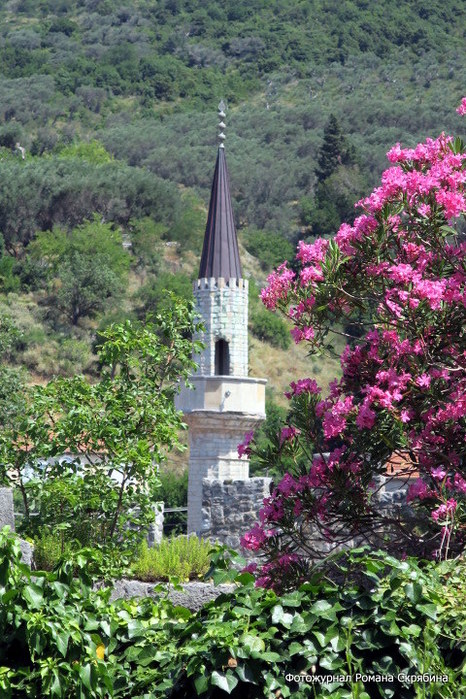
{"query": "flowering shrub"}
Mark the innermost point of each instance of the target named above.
(398, 273)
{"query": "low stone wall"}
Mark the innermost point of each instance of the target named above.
(193, 596)
(230, 508)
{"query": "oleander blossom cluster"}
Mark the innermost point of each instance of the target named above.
(397, 275)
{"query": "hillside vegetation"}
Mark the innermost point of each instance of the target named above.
(107, 147)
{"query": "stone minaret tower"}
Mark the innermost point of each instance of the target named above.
(225, 403)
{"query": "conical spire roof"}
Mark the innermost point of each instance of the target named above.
(220, 254)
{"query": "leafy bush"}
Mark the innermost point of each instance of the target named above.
(153, 295)
(270, 328)
(269, 248)
(184, 557)
(118, 429)
(62, 639)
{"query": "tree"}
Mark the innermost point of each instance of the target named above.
(115, 432)
(401, 396)
(334, 150)
(86, 267)
(339, 183)
(154, 295)
(85, 284)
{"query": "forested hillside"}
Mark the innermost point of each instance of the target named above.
(108, 133)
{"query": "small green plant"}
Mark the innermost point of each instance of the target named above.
(49, 548)
(183, 557)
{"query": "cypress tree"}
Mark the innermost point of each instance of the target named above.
(334, 150)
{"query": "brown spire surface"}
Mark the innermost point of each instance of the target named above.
(220, 254)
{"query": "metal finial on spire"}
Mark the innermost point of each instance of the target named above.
(222, 107)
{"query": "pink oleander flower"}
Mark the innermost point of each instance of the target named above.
(424, 210)
(365, 418)
(250, 568)
(298, 335)
(289, 486)
(462, 108)
(405, 415)
(333, 424)
(254, 539)
(303, 386)
(418, 489)
(401, 273)
(312, 252)
(454, 203)
(287, 434)
(459, 483)
(438, 474)
(310, 275)
(279, 284)
(443, 511)
(244, 448)
(423, 381)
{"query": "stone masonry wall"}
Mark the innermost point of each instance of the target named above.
(230, 508)
(224, 311)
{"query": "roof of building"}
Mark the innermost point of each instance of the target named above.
(220, 254)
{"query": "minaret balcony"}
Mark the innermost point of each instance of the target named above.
(223, 394)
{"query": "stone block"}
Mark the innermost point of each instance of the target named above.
(7, 512)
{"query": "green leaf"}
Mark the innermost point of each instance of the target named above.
(226, 681)
(252, 643)
(279, 616)
(201, 684)
(34, 595)
(295, 647)
(61, 640)
(413, 592)
(320, 638)
(85, 676)
(429, 610)
(412, 630)
(324, 610)
(246, 674)
(292, 599)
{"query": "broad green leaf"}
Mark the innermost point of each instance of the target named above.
(323, 609)
(61, 640)
(279, 616)
(429, 610)
(226, 681)
(292, 599)
(252, 643)
(201, 684)
(34, 595)
(413, 592)
(85, 676)
(246, 673)
(295, 647)
(271, 657)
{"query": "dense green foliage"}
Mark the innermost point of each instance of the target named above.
(270, 328)
(106, 108)
(62, 639)
(113, 432)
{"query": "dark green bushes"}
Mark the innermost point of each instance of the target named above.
(381, 618)
(270, 328)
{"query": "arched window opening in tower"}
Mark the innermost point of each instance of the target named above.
(222, 358)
